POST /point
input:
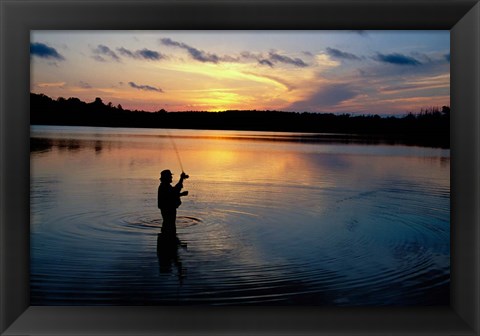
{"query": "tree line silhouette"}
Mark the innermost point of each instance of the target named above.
(430, 126)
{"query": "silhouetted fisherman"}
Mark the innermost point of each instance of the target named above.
(169, 201)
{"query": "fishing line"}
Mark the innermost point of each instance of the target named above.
(175, 149)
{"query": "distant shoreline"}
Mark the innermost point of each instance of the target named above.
(429, 128)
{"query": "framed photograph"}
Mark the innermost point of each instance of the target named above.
(238, 168)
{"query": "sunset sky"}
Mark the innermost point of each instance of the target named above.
(358, 72)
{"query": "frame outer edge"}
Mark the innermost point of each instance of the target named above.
(14, 164)
(465, 168)
(2, 170)
(477, 169)
(476, 163)
(7, 318)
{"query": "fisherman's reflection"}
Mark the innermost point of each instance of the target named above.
(168, 255)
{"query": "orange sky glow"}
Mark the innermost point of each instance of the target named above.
(373, 72)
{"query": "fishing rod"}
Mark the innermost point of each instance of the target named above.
(175, 149)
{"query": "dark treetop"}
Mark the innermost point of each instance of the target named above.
(429, 127)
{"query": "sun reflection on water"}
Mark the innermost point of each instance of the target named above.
(265, 221)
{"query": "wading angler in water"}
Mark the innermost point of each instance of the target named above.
(169, 200)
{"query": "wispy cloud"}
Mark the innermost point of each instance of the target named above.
(397, 59)
(419, 83)
(266, 62)
(52, 85)
(286, 84)
(272, 58)
(257, 57)
(102, 51)
(144, 87)
(125, 52)
(146, 54)
(199, 55)
(342, 54)
(269, 59)
(44, 51)
(277, 58)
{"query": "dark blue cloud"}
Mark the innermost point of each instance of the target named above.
(328, 96)
(144, 87)
(102, 50)
(146, 54)
(342, 54)
(272, 58)
(196, 54)
(44, 51)
(266, 62)
(203, 56)
(277, 58)
(150, 54)
(396, 58)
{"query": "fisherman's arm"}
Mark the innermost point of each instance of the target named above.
(178, 187)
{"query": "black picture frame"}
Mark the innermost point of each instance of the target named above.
(18, 17)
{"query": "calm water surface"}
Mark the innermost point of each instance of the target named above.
(269, 220)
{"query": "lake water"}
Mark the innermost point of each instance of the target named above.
(271, 219)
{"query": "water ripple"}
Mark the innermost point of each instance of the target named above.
(256, 241)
